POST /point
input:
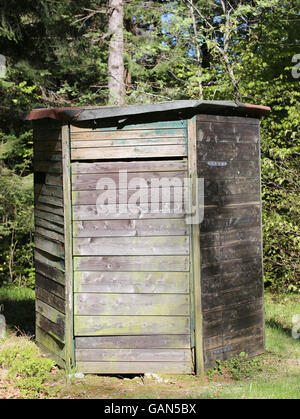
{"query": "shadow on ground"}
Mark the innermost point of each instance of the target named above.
(19, 315)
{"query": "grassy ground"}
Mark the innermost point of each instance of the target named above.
(26, 373)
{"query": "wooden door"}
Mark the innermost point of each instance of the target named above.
(131, 267)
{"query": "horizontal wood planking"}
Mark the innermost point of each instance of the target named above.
(52, 235)
(49, 284)
(49, 312)
(127, 212)
(226, 152)
(133, 355)
(134, 246)
(50, 299)
(231, 170)
(136, 166)
(235, 295)
(42, 189)
(244, 249)
(131, 325)
(227, 131)
(132, 282)
(53, 209)
(97, 304)
(252, 346)
(129, 228)
(222, 327)
(49, 225)
(121, 135)
(123, 180)
(55, 330)
(228, 119)
(132, 263)
(232, 337)
(226, 238)
(143, 126)
(49, 246)
(46, 199)
(47, 259)
(91, 142)
(134, 367)
(128, 152)
(133, 342)
(163, 195)
(48, 216)
(53, 345)
(50, 272)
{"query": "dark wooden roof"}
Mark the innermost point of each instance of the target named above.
(179, 109)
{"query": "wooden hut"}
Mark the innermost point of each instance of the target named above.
(146, 291)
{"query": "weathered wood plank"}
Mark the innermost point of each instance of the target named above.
(136, 166)
(132, 263)
(41, 189)
(121, 135)
(53, 209)
(231, 296)
(119, 228)
(133, 342)
(105, 246)
(53, 218)
(50, 285)
(123, 180)
(134, 367)
(50, 299)
(49, 312)
(230, 325)
(53, 329)
(48, 341)
(163, 195)
(133, 355)
(50, 272)
(131, 304)
(48, 246)
(143, 126)
(52, 200)
(227, 119)
(46, 224)
(130, 325)
(132, 282)
(127, 212)
(48, 259)
(227, 131)
(52, 235)
(232, 337)
(91, 142)
(128, 152)
(230, 170)
(226, 151)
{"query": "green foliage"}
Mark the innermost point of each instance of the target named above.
(28, 368)
(238, 367)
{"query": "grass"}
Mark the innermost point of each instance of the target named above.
(275, 375)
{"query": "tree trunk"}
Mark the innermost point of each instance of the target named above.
(116, 84)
